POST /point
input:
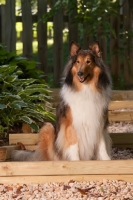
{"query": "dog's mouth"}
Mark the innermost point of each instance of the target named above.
(82, 78)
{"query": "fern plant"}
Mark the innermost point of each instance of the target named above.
(24, 94)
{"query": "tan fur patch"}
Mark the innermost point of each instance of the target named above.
(77, 84)
(94, 81)
(70, 137)
(46, 141)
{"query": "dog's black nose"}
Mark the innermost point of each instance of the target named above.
(80, 73)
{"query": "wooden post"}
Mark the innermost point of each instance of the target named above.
(58, 46)
(10, 22)
(27, 28)
(73, 26)
(42, 36)
(114, 50)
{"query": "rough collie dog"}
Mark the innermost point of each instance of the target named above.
(80, 132)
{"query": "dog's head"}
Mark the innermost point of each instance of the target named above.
(84, 61)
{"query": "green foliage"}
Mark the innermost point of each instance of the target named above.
(95, 14)
(24, 95)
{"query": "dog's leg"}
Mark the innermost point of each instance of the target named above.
(103, 151)
(71, 151)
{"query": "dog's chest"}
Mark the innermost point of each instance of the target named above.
(87, 109)
(86, 105)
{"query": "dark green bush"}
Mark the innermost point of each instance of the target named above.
(24, 94)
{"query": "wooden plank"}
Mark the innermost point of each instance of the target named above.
(122, 95)
(26, 139)
(115, 105)
(31, 139)
(126, 116)
(10, 21)
(48, 179)
(122, 139)
(49, 168)
(3, 152)
(42, 37)
(27, 28)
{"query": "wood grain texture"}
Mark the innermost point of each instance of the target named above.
(118, 116)
(115, 105)
(26, 139)
(48, 168)
(48, 179)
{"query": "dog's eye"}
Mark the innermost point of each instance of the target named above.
(77, 61)
(88, 61)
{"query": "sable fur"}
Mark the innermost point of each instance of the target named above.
(80, 131)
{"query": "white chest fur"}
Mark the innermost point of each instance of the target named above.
(87, 108)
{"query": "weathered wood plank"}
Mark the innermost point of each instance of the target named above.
(26, 139)
(3, 152)
(120, 139)
(122, 95)
(32, 139)
(115, 105)
(120, 116)
(57, 168)
(48, 179)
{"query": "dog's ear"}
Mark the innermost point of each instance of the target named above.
(74, 48)
(95, 48)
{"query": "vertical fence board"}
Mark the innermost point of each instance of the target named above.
(126, 27)
(114, 49)
(42, 36)
(87, 38)
(58, 46)
(73, 26)
(27, 28)
(131, 39)
(10, 23)
(3, 24)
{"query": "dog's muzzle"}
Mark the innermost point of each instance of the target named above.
(81, 76)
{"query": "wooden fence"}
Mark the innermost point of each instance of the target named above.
(120, 53)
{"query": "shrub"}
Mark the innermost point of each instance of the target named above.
(24, 94)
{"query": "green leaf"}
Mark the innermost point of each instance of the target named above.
(2, 106)
(26, 119)
(11, 78)
(34, 126)
(18, 104)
